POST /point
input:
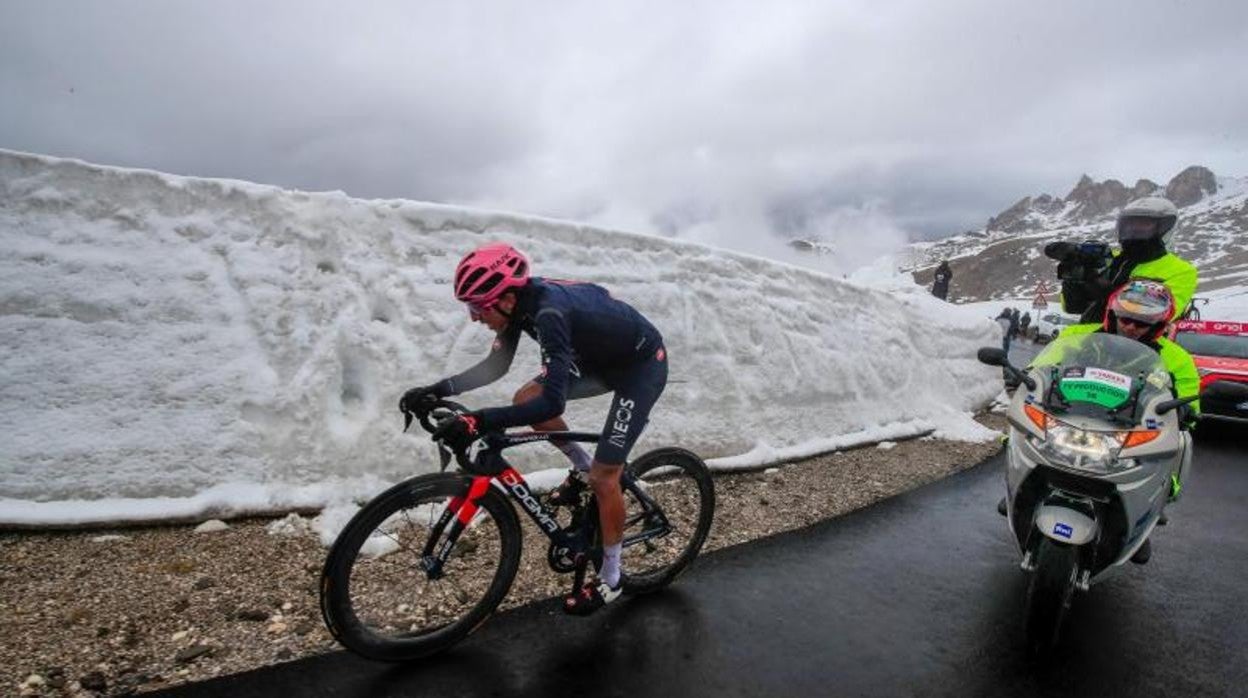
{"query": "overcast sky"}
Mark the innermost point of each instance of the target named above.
(711, 120)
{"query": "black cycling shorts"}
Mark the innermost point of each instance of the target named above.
(637, 387)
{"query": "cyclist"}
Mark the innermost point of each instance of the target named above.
(591, 344)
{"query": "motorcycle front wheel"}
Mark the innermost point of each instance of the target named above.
(1049, 595)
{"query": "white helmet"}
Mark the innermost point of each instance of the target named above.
(1148, 218)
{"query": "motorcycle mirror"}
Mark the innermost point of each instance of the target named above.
(997, 357)
(1164, 407)
(991, 356)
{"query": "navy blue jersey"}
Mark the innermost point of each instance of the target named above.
(579, 327)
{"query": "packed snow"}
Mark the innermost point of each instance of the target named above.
(176, 347)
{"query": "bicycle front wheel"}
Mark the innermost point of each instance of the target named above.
(385, 593)
(668, 513)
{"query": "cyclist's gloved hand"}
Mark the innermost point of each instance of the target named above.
(459, 431)
(420, 400)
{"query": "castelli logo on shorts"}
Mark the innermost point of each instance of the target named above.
(660, 354)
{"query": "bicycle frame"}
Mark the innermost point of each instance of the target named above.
(567, 542)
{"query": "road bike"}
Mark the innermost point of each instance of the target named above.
(424, 563)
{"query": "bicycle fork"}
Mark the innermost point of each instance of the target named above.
(458, 514)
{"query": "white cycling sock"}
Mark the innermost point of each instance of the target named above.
(579, 456)
(610, 572)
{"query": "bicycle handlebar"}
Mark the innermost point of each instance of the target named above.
(440, 411)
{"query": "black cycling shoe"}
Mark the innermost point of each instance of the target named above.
(1144, 553)
(569, 491)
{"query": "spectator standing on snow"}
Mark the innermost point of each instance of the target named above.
(1023, 323)
(940, 287)
(1004, 321)
(1014, 323)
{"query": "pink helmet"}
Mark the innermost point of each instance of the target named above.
(487, 272)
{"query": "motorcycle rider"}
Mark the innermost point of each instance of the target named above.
(591, 344)
(1090, 271)
(1141, 310)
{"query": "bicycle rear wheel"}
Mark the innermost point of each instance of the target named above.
(668, 514)
(384, 594)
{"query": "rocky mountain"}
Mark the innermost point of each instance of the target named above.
(1005, 259)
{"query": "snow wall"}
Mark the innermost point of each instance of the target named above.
(243, 347)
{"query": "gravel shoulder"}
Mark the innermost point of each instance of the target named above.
(115, 612)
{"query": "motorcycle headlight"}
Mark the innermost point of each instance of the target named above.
(1094, 451)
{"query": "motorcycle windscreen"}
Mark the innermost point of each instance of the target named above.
(1099, 369)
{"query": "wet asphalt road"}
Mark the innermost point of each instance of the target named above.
(919, 595)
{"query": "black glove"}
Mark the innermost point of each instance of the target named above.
(459, 431)
(420, 400)
(1187, 417)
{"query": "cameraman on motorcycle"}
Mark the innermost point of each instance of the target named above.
(1089, 271)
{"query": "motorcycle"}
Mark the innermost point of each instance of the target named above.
(1097, 448)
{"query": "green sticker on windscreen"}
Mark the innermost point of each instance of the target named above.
(1095, 385)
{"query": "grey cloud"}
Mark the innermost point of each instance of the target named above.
(719, 121)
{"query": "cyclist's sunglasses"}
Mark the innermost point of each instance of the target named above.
(476, 310)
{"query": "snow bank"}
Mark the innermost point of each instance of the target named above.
(173, 345)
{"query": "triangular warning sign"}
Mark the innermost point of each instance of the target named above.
(1040, 302)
